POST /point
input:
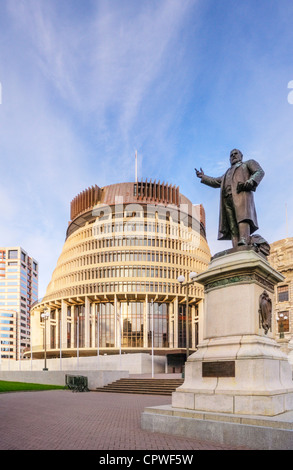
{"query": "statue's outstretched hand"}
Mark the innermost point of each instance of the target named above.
(199, 173)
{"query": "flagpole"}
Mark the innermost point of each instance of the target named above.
(98, 334)
(152, 338)
(120, 332)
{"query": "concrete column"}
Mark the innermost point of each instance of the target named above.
(94, 324)
(145, 322)
(72, 327)
(63, 324)
(48, 329)
(87, 310)
(171, 325)
(117, 321)
(58, 330)
(192, 313)
(37, 336)
(200, 320)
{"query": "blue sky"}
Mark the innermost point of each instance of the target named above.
(85, 83)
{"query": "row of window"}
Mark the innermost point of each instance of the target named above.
(161, 230)
(119, 256)
(127, 256)
(119, 287)
(132, 329)
(126, 272)
(113, 242)
(13, 254)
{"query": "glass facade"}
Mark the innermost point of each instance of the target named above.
(158, 322)
(18, 291)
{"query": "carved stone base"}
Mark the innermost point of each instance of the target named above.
(238, 367)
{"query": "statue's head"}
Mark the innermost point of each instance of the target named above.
(235, 156)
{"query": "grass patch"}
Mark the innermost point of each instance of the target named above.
(6, 386)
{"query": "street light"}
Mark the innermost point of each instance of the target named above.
(45, 316)
(280, 319)
(186, 284)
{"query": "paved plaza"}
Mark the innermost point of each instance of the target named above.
(64, 420)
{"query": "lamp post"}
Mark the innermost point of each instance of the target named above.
(45, 316)
(280, 319)
(186, 284)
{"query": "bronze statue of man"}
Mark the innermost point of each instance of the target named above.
(238, 218)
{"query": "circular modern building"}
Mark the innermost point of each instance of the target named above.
(115, 286)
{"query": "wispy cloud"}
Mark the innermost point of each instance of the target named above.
(85, 84)
(78, 93)
(106, 66)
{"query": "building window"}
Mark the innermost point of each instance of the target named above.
(283, 322)
(52, 336)
(132, 324)
(283, 293)
(106, 325)
(159, 318)
(68, 335)
(79, 321)
(13, 254)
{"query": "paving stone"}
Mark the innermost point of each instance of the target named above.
(63, 420)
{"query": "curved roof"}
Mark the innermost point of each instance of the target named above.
(146, 192)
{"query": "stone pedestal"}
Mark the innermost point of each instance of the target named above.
(238, 370)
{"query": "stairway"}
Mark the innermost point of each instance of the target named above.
(143, 386)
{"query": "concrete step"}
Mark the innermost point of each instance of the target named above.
(143, 386)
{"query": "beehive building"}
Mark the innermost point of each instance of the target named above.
(115, 285)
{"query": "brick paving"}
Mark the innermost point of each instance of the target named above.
(63, 420)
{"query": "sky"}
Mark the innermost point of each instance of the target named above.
(86, 83)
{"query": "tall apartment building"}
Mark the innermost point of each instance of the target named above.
(18, 291)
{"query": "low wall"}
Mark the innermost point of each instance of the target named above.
(137, 363)
(96, 378)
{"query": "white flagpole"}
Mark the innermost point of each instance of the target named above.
(60, 339)
(98, 335)
(152, 337)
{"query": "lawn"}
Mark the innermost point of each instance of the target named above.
(21, 386)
